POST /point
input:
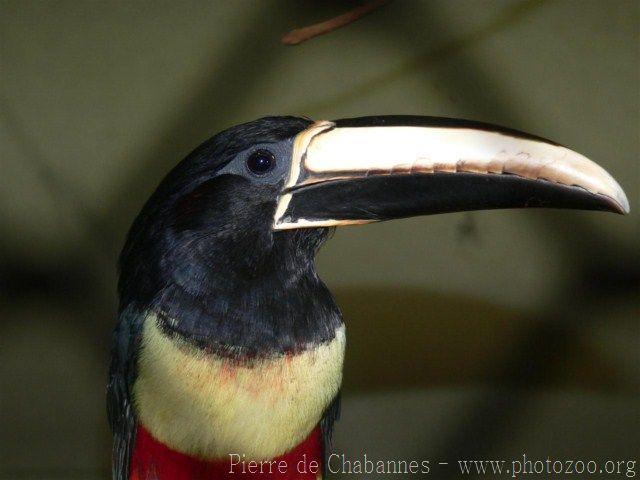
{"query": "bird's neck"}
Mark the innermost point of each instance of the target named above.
(281, 308)
(250, 291)
(153, 460)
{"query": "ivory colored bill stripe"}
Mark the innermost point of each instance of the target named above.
(437, 149)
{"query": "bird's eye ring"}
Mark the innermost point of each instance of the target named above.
(261, 162)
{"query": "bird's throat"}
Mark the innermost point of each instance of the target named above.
(280, 309)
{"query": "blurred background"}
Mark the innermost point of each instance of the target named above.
(479, 335)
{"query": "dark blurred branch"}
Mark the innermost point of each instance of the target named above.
(299, 35)
(437, 51)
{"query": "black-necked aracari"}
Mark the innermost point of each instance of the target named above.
(229, 348)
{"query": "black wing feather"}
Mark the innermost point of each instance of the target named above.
(331, 414)
(122, 374)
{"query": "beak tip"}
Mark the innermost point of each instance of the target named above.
(623, 204)
(619, 200)
(614, 201)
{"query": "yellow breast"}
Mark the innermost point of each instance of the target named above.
(208, 406)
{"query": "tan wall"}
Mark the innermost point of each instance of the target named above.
(99, 99)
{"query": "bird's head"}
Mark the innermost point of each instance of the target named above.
(240, 219)
(203, 246)
(215, 208)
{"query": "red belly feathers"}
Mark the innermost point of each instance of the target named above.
(153, 460)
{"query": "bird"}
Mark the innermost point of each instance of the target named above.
(228, 350)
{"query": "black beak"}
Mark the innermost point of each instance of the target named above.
(378, 168)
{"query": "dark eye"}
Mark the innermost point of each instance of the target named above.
(261, 162)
